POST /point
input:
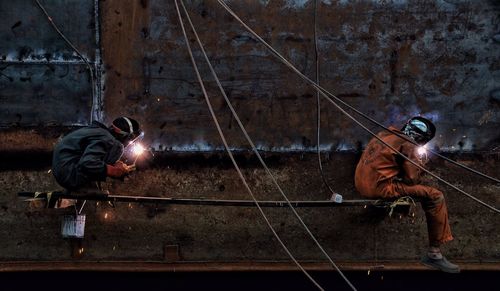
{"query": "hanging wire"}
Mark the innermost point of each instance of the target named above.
(318, 87)
(318, 99)
(89, 66)
(226, 146)
(324, 93)
(254, 148)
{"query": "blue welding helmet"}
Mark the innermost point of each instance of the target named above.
(419, 129)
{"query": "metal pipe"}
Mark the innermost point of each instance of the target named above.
(200, 201)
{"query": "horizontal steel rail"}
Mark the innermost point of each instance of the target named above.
(202, 201)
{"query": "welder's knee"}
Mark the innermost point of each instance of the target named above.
(436, 196)
(433, 199)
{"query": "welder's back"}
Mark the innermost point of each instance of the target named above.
(81, 156)
(379, 165)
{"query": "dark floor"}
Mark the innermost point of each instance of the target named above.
(389, 280)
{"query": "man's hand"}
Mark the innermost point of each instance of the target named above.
(119, 169)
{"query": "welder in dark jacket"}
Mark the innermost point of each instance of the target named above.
(92, 153)
(382, 173)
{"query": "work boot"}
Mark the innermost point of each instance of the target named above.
(440, 263)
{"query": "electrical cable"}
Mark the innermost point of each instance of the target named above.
(318, 100)
(369, 118)
(223, 138)
(89, 66)
(254, 148)
(324, 92)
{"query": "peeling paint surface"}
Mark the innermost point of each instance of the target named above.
(390, 59)
(42, 80)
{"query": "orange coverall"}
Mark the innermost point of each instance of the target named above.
(382, 173)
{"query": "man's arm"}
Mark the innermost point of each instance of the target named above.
(92, 163)
(411, 172)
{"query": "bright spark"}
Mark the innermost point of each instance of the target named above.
(422, 151)
(138, 149)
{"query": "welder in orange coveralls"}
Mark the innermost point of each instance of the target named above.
(383, 174)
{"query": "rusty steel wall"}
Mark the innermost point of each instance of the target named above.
(42, 80)
(390, 59)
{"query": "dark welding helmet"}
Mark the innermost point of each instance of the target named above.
(419, 129)
(126, 129)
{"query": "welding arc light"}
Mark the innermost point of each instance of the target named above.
(421, 151)
(138, 149)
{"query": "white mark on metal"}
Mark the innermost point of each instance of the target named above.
(295, 4)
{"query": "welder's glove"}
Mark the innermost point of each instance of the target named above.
(118, 170)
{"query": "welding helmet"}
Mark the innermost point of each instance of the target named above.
(419, 129)
(126, 129)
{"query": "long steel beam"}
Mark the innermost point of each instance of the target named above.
(199, 201)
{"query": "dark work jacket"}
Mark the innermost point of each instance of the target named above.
(81, 156)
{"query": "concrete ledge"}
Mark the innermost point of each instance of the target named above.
(156, 266)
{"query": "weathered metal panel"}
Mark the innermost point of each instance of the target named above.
(382, 56)
(391, 59)
(44, 95)
(42, 80)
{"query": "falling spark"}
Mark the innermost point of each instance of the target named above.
(97, 204)
(106, 215)
(114, 248)
(368, 272)
(49, 171)
(130, 205)
(80, 251)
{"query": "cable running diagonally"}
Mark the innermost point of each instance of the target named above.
(324, 92)
(353, 108)
(80, 55)
(254, 148)
(318, 99)
(240, 174)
